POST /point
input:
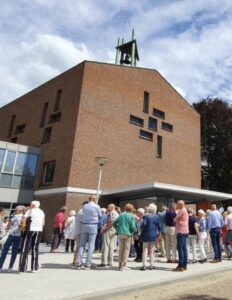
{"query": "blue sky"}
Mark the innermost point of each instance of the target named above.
(188, 41)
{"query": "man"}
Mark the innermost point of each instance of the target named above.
(215, 224)
(91, 214)
(170, 234)
(162, 243)
(108, 236)
(77, 232)
(182, 230)
(35, 219)
(58, 229)
(228, 239)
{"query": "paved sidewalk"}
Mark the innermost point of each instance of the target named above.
(58, 280)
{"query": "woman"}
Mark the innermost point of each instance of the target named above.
(228, 237)
(14, 238)
(192, 238)
(137, 241)
(125, 226)
(201, 229)
(150, 229)
(69, 232)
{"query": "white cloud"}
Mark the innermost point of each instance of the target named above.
(31, 64)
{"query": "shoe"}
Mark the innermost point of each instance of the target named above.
(185, 268)
(87, 267)
(109, 265)
(203, 260)
(194, 261)
(121, 269)
(169, 261)
(152, 268)
(126, 268)
(175, 261)
(102, 265)
(143, 268)
(78, 267)
(178, 269)
(214, 261)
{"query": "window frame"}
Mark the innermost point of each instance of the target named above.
(146, 138)
(156, 121)
(157, 115)
(159, 150)
(146, 101)
(167, 129)
(43, 141)
(45, 166)
(134, 123)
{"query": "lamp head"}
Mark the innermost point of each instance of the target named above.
(101, 160)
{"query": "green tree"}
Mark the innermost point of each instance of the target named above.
(216, 144)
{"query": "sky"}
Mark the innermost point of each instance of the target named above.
(188, 41)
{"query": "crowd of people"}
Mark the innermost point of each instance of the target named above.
(173, 233)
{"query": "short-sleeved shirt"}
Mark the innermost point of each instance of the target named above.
(169, 218)
(15, 221)
(203, 225)
(37, 217)
(182, 221)
(59, 218)
(228, 222)
(91, 212)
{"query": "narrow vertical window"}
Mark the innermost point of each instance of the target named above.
(44, 114)
(146, 102)
(58, 98)
(159, 146)
(11, 125)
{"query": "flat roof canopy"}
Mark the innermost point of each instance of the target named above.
(165, 190)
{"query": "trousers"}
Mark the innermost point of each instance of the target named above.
(30, 243)
(13, 241)
(108, 241)
(151, 245)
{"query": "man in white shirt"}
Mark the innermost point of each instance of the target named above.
(35, 220)
(91, 213)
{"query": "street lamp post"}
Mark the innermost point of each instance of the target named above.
(101, 162)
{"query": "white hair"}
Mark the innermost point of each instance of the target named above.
(103, 210)
(141, 211)
(72, 213)
(152, 208)
(229, 209)
(20, 207)
(201, 211)
(36, 203)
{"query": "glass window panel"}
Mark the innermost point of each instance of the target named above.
(49, 172)
(20, 163)
(146, 135)
(9, 163)
(31, 164)
(2, 154)
(5, 180)
(135, 120)
(16, 182)
(152, 124)
(28, 182)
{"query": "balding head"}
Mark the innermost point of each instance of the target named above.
(92, 198)
(111, 207)
(180, 204)
(213, 207)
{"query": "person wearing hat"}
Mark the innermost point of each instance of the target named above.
(201, 229)
(35, 220)
(13, 239)
(58, 229)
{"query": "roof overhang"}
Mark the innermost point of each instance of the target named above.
(165, 190)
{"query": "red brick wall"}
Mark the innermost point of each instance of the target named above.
(110, 94)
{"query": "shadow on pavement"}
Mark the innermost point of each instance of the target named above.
(57, 266)
(199, 297)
